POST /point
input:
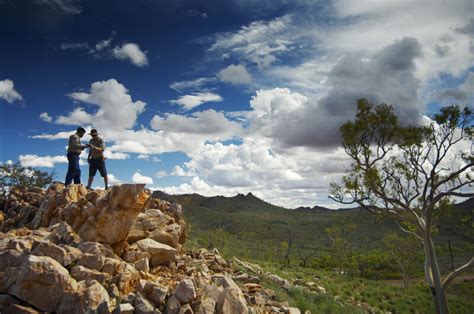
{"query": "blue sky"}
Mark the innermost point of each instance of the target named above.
(222, 97)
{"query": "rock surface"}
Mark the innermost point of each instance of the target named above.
(70, 250)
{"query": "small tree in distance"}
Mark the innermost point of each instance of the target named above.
(409, 173)
(15, 175)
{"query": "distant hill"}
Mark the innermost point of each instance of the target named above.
(255, 221)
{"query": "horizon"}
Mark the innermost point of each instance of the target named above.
(222, 98)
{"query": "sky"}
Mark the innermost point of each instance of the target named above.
(222, 97)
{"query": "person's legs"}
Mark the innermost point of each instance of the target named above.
(103, 172)
(71, 169)
(77, 176)
(92, 172)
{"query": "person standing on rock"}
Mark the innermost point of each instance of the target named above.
(74, 149)
(96, 158)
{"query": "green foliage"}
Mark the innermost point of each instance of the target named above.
(15, 175)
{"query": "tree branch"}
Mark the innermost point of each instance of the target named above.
(458, 272)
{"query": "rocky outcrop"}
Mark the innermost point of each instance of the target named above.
(70, 250)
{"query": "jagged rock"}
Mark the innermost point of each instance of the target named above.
(186, 309)
(185, 291)
(10, 258)
(79, 273)
(91, 261)
(39, 280)
(153, 291)
(142, 264)
(231, 300)
(143, 306)
(116, 213)
(173, 305)
(160, 253)
(209, 298)
(46, 248)
(124, 308)
(96, 297)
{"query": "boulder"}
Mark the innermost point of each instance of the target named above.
(173, 305)
(159, 253)
(40, 281)
(185, 291)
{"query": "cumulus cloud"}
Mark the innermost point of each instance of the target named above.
(139, 178)
(32, 160)
(45, 117)
(161, 174)
(259, 42)
(191, 101)
(8, 92)
(464, 93)
(204, 122)
(131, 52)
(180, 172)
(235, 74)
(293, 119)
(115, 155)
(116, 109)
(113, 179)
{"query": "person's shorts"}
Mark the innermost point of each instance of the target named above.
(97, 164)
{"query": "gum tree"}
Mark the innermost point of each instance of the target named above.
(409, 173)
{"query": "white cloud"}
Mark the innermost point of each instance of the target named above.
(235, 74)
(139, 178)
(45, 117)
(192, 84)
(116, 110)
(57, 136)
(259, 42)
(180, 172)
(8, 92)
(113, 179)
(191, 101)
(31, 160)
(208, 122)
(66, 6)
(115, 155)
(132, 52)
(161, 174)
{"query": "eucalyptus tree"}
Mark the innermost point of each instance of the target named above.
(410, 173)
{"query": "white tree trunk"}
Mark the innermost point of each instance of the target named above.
(433, 276)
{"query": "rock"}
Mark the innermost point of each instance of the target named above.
(160, 253)
(124, 308)
(142, 305)
(40, 281)
(153, 291)
(10, 258)
(186, 309)
(91, 261)
(143, 264)
(20, 309)
(116, 213)
(46, 248)
(293, 310)
(79, 273)
(185, 291)
(231, 300)
(173, 305)
(209, 298)
(94, 297)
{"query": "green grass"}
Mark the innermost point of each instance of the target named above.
(251, 229)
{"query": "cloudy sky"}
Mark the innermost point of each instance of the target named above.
(222, 97)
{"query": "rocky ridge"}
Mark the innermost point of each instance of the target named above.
(70, 250)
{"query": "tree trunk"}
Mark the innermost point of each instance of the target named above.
(433, 276)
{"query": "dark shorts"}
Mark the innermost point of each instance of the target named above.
(97, 164)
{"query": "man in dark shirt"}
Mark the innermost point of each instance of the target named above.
(96, 158)
(74, 149)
